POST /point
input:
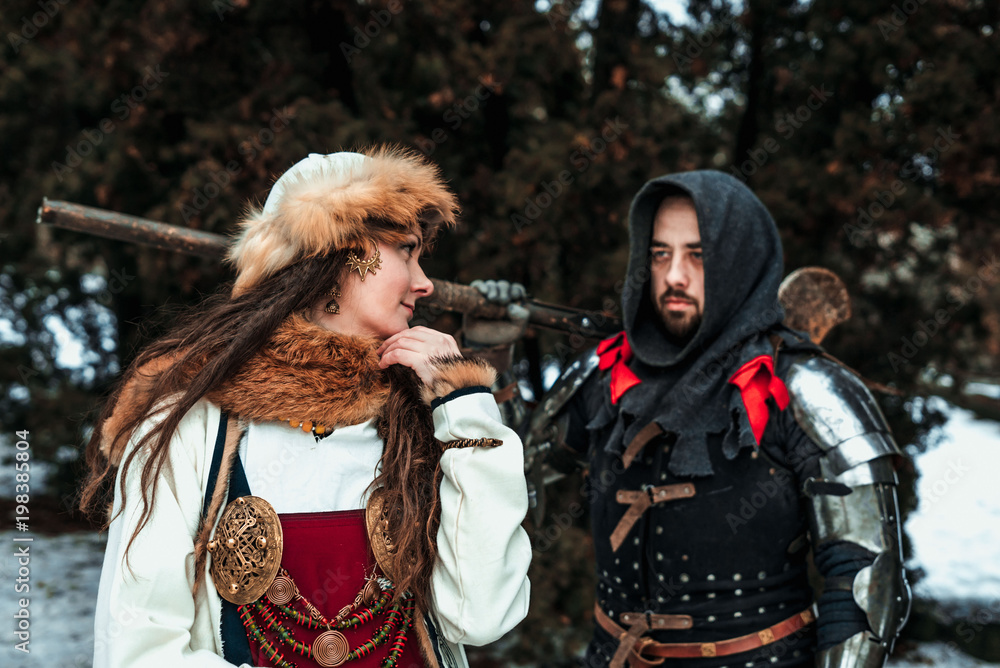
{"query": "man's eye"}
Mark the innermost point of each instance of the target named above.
(696, 255)
(660, 254)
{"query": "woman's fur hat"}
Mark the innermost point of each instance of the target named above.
(324, 202)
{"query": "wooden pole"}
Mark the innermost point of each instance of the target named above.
(447, 296)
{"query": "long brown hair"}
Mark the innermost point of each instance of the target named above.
(215, 339)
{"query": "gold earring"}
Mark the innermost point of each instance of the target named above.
(364, 266)
(332, 306)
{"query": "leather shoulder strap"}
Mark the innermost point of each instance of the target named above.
(235, 645)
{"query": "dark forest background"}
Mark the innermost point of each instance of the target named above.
(869, 129)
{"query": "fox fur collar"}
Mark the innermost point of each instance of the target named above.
(309, 373)
(304, 372)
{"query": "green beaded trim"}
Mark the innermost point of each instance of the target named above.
(400, 614)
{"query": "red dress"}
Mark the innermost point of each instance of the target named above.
(327, 556)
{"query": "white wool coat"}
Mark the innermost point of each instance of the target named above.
(147, 618)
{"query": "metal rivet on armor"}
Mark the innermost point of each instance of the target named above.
(711, 594)
(711, 618)
(663, 476)
(781, 606)
(659, 556)
(605, 573)
(749, 664)
(635, 566)
(685, 577)
(618, 580)
(797, 653)
(684, 557)
(753, 455)
(623, 595)
(761, 575)
(686, 597)
(760, 610)
(710, 578)
(617, 562)
(661, 599)
(761, 589)
(737, 577)
(774, 659)
(636, 585)
(661, 577)
(737, 614)
(771, 471)
(636, 541)
(738, 592)
(659, 530)
(611, 613)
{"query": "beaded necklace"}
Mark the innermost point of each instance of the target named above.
(274, 611)
(318, 431)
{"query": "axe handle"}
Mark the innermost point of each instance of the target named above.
(447, 296)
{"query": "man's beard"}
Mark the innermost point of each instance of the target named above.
(678, 327)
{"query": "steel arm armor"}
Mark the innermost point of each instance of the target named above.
(853, 501)
(547, 456)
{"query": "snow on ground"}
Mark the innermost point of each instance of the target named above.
(63, 578)
(952, 529)
(937, 654)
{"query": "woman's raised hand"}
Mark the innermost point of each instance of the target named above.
(417, 348)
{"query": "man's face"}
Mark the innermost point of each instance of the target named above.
(677, 282)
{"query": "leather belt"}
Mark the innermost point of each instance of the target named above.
(645, 652)
(641, 500)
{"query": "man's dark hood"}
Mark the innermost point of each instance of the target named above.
(685, 388)
(743, 264)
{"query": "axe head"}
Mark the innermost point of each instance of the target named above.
(815, 301)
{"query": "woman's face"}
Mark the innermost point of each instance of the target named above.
(382, 304)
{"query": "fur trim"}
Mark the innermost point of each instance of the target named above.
(304, 372)
(234, 432)
(456, 373)
(424, 640)
(325, 211)
(128, 402)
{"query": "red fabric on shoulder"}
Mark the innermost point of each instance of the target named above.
(757, 382)
(615, 354)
